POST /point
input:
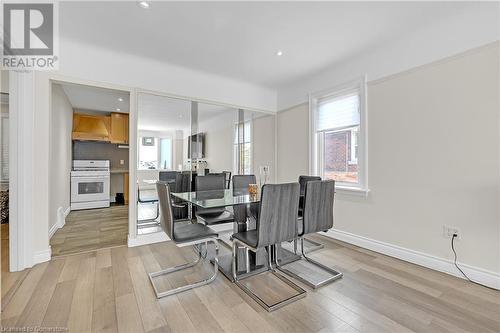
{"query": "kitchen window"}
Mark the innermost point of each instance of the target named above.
(338, 136)
(155, 153)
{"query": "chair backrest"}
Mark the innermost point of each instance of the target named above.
(278, 213)
(182, 182)
(211, 182)
(166, 220)
(228, 178)
(303, 181)
(318, 206)
(167, 175)
(241, 182)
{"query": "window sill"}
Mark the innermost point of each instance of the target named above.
(356, 191)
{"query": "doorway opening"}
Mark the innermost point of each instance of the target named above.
(89, 168)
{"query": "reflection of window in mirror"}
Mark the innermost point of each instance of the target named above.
(155, 153)
(243, 148)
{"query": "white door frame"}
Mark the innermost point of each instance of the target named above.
(21, 114)
(22, 166)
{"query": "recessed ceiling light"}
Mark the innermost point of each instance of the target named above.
(120, 99)
(118, 109)
(279, 53)
(144, 4)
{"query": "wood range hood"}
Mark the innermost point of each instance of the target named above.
(112, 128)
(90, 127)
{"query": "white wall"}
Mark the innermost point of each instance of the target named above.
(293, 143)
(433, 159)
(472, 27)
(97, 64)
(219, 131)
(264, 145)
(61, 121)
(4, 81)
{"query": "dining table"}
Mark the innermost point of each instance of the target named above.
(245, 207)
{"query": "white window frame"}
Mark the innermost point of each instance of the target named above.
(236, 148)
(315, 145)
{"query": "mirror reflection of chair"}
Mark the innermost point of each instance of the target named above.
(317, 216)
(212, 216)
(227, 177)
(168, 176)
(242, 213)
(148, 196)
(277, 222)
(182, 235)
(182, 184)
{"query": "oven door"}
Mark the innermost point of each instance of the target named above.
(88, 188)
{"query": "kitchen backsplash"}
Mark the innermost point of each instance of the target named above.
(87, 150)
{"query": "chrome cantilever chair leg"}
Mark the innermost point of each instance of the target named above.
(184, 266)
(271, 250)
(332, 274)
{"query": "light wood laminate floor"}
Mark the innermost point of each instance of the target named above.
(91, 229)
(108, 290)
(10, 281)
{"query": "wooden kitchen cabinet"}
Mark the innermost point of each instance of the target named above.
(125, 187)
(119, 128)
(91, 127)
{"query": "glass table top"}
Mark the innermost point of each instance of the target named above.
(218, 198)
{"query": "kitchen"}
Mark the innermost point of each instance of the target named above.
(90, 140)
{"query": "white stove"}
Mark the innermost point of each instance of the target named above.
(90, 184)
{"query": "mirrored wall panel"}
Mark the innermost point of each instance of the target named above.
(180, 140)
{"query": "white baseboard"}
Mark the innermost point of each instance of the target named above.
(53, 230)
(477, 274)
(146, 239)
(42, 256)
(61, 220)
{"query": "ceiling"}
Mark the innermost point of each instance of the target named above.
(96, 99)
(159, 113)
(240, 39)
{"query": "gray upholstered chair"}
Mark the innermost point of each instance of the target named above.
(318, 216)
(227, 174)
(227, 177)
(168, 176)
(311, 245)
(302, 182)
(240, 186)
(182, 235)
(241, 182)
(182, 184)
(276, 223)
(212, 216)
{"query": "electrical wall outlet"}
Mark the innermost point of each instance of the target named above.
(449, 231)
(122, 162)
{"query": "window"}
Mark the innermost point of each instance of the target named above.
(337, 135)
(155, 153)
(243, 148)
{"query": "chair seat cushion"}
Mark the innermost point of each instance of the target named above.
(215, 217)
(249, 238)
(191, 232)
